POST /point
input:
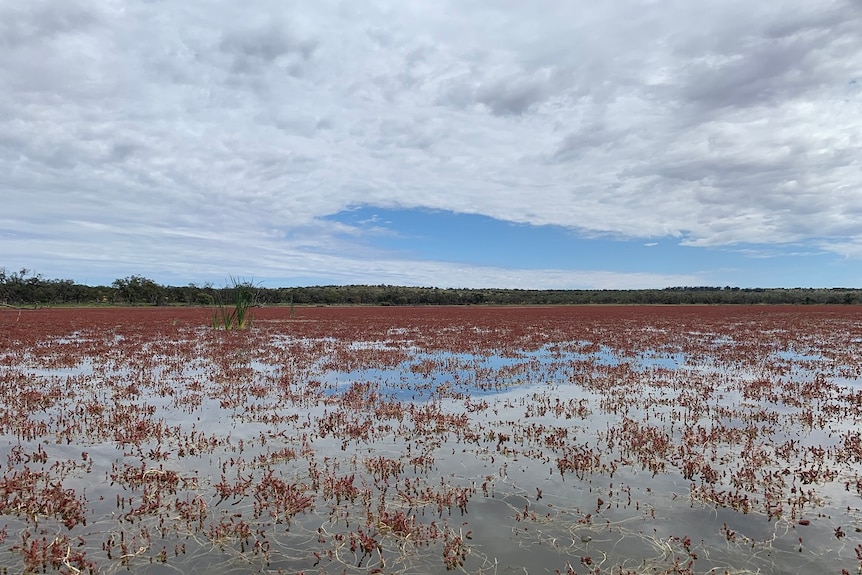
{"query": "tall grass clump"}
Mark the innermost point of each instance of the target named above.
(237, 316)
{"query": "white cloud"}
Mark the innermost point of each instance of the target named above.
(187, 131)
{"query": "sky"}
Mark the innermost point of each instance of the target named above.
(622, 144)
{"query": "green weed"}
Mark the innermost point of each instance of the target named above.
(236, 316)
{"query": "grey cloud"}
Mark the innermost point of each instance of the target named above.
(511, 96)
(459, 92)
(758, 77)
(779, 62)
(381, 37)
(54, 50)
(591, 135)
(272, 43)
(832, 17)
(123, 151)
(43, 20)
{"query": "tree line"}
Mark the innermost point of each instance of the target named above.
(25, 288)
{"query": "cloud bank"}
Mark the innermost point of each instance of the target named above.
(192, 138)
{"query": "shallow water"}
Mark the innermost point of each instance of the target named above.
(178, 448)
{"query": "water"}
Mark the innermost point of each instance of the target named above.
(396, 447)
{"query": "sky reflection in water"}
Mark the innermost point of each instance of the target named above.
(525, 512)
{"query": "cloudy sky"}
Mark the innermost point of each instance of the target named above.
(462, 143)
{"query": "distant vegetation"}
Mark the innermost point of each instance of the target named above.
(25, 288)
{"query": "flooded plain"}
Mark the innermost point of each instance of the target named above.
(621, 440)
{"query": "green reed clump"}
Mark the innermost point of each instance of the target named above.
(237, 316)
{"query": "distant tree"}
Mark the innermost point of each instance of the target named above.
(138, 289)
